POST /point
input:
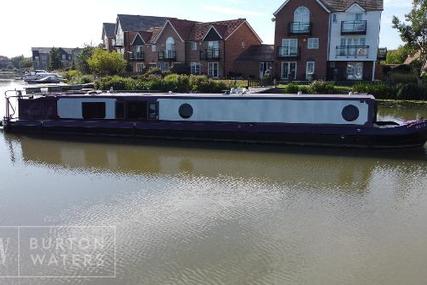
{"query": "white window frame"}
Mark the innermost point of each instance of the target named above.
(153, 48)
(310, 69)
(282, 74)
(313, 43)
(211, 69)
(196, 68)
(355, 75)
(290, 44)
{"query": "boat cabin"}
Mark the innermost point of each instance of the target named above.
(268, 109)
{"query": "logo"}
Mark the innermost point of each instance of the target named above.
(58, 252)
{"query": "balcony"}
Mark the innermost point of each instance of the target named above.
(300, 28)
(353, 51)
(288, 52)
(210, 54)
(354, 27)
(169, 55)
(136, 56)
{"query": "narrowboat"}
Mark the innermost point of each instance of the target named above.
(320, 120)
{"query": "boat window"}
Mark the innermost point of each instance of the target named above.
(137, 111)
(93, 110)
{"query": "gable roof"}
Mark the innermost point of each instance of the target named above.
(258, 53)
(223, 28)
(108, 29)
(343, 5)
(138, 23)
(138, 40)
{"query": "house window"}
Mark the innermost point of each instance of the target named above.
(64, 57)
(153, 48)
(313, 43)
(93, 110)
(302, 15)
(164, 66)
(334, 18)
(289, 70)
(195, 68)
(358, 17)
(309, 70)
(355, 70)
(194, 45)
(139, 67)
(289, 47)
(213, 69)
(243, 44)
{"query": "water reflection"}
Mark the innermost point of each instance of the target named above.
(290, 164)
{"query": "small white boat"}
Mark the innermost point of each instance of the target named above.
(42, 76)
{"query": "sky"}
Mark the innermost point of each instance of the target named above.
(28, 23)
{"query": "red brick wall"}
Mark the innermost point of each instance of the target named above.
(320, 25)
(234, 48)
(179, 45)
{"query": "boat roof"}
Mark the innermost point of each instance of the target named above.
(217, 96)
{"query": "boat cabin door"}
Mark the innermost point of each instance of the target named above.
(137, 110)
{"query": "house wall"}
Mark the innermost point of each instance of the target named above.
(319, 18)
(179, 44)
(236, 44)
(372, 34)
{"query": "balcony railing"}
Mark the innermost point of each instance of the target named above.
(288, 52)
(167, 55)
(210, 54)
(355, 51)
(300, 28)
(354, 27)
(136, 56)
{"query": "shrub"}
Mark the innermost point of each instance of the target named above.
(72, 74)
(379, 90)
(321, 87)
(412, 92)
(292, 88)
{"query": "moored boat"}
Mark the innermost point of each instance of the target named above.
(324, 120)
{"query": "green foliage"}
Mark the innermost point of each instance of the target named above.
(76, 77)
(103, 62)
(172, 82)
(398, 56)
(82, 59)
(21, 62)
(379, 90)
(412, 92)
(413, 31)
(55, 59)
(322, 87)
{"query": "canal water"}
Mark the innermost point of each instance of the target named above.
(190, 214)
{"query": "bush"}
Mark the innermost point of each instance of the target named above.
(412, 92)
(103, 62)
(172, 82)
(322, 87)
(379, 90)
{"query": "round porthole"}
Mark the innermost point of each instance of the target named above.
(186, 111)
(350, 113)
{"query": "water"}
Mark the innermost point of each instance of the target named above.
(228, 215)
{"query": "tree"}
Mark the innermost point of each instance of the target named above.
(398, 56)
(55, 59)
(103, 62)
(83, 57)
(20, 62)
(413, 32)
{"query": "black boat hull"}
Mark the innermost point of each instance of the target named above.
(411, 135)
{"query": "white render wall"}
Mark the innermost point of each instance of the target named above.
(372, 36)
(243, 110)
(71, 108)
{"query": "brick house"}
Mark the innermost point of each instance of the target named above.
(327, 39)
(108, 33)
(200, 48)
(256, 62)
